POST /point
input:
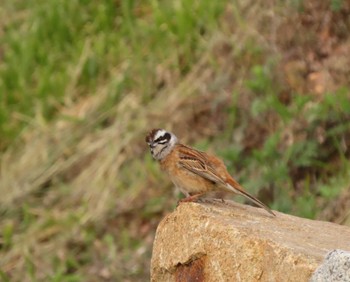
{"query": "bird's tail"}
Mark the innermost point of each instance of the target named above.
(235, 187)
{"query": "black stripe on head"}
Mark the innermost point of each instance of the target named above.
(163, 139)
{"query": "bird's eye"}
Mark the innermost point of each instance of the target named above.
(159, 140)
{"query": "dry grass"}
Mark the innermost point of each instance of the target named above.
(71, 171)
(81, 195)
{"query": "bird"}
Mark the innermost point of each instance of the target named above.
(193, 172)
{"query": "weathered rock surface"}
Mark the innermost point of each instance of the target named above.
(232, 242)
(335, 268)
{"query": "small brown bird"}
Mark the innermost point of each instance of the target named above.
(194, 172)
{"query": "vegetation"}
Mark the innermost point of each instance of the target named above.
(264, 85)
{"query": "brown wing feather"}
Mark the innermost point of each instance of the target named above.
(197, 162)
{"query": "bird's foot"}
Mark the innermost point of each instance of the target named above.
(189, 199)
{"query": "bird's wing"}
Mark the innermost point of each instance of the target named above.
(197, 162)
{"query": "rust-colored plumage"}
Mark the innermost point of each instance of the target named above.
(194, 172)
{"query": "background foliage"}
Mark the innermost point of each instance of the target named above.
(264, 85)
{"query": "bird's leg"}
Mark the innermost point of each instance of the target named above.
(191, 198)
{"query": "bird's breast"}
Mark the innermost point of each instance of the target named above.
(187, 181)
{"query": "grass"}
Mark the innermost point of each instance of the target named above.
(53, 57)
(81, 82)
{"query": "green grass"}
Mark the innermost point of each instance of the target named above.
(82, 81)
(56, 55)
(304, 136)
(56, 52)
(276, 165)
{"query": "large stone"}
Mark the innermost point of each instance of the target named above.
(335, 268)
(231, 242)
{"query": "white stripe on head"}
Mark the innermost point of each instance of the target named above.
(159, 133)
(162, 143)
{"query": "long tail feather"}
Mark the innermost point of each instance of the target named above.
(235, 187)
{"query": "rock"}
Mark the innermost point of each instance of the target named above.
(335, 268)
(216, 241)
